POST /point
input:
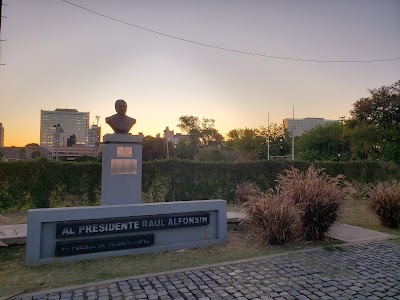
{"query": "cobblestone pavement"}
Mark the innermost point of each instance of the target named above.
(362, 271)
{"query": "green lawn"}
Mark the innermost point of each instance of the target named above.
(357, 213)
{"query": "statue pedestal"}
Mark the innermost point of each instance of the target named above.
(121, 176)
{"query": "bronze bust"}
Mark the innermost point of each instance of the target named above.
(120, 122)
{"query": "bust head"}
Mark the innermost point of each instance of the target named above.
(120, 122)
(121, 107)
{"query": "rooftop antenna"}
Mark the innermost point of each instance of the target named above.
(97, 118)
(1, 16)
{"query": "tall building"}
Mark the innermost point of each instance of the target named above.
(57, 126)
(169, 134)
(303, 125)
(174, 137)
(94, 136)
(1, 135)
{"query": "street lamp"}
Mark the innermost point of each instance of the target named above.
(59, 130)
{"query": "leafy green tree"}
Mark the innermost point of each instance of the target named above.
(209, 135)
(246, 140)
(36, 154)
(323, 142)
(364, 141)
(154, 148)
(373, 129)
(252, 143)
(215, 154)
(381, 108)
(279, 140)
(202, 133)
(184, 149)
(191, 126)
(391, 149)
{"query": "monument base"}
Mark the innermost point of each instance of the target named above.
(121, 178)
(59, 235)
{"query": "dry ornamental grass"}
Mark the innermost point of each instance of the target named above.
(317, 195)
(245, 191)
(272, 219)
(384, 201)
(303, 205)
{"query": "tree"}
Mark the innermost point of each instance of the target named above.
(246, 140)
(36, 154)
(209, 135)
(184, 149)
(323, 142)
(373, 129)
(154, 148)
(279, 140)
(214, 154)
(253, 143)
(381, 109)
(202, 133)
(191, 126)
(364, 141)
(31, 145)
(71, 140)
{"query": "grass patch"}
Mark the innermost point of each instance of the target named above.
(334, 248)
(16, 277)
(357, 213)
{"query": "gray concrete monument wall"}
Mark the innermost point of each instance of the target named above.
(59, 235)
(121, 177)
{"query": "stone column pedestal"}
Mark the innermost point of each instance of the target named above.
(121, 176)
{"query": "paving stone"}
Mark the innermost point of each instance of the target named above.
(362, 271)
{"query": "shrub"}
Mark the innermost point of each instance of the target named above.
(384, 201)
(39, 182)
(272, 219)
(245, 191)
(317, 195)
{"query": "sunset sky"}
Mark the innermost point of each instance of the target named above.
(57, 55)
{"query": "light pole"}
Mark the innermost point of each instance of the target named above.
(59, 130)
(268, 138)
(166, 133)
(293, 128)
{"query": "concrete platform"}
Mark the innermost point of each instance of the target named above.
(352, 234)
(235, 217)
(13, 234)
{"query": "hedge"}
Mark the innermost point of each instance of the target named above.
(45, 183)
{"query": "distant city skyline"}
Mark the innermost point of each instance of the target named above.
(57, 55)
